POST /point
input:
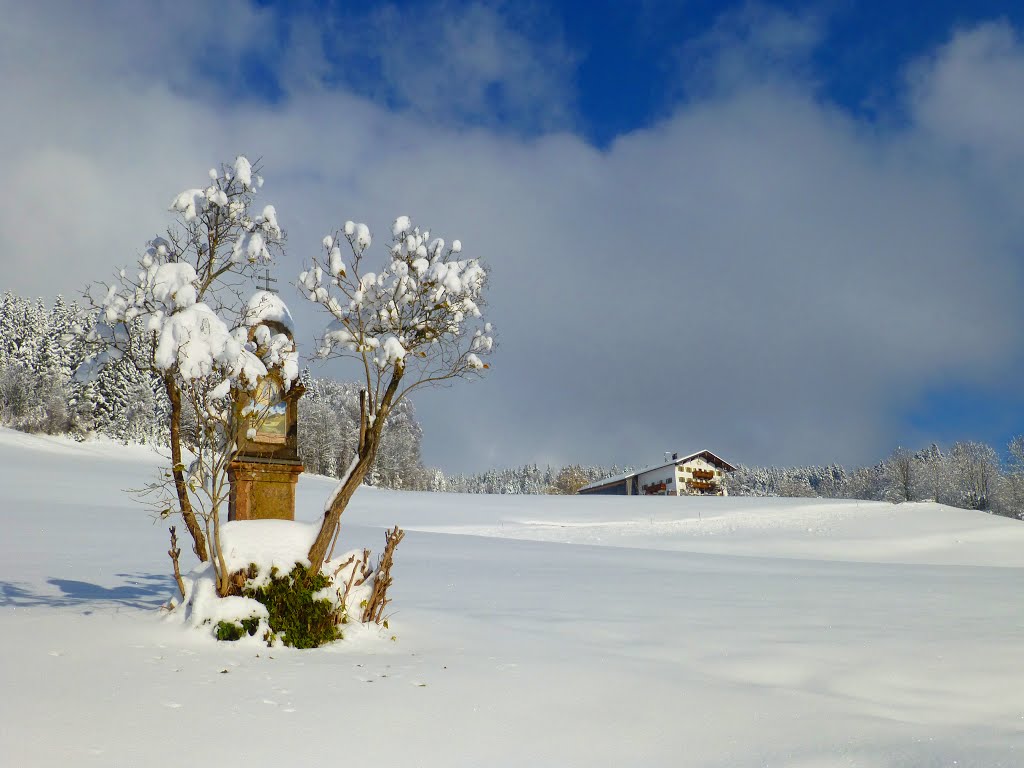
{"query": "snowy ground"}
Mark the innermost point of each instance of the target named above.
(530, 632)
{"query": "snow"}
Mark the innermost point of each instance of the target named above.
(196, 341)
(268, 543)
(190, 203)
(269, 220)
(337, 266)
(243, 171)
(250, 247)
(557, 631)
(361, 240)
(402, 310)
(265, 305)
(206, 610)
(401, 226)
(392, 350)
(173, 284)
(277, 350)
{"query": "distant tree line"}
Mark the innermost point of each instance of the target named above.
(528, 479)
(41, 348)
(329, 429)
(970, 475)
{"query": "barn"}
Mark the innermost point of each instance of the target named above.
(697, 474)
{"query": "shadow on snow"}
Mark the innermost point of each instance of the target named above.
(142, 590)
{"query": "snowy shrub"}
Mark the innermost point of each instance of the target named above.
(230, 631)
(275, 597)
(297, 613)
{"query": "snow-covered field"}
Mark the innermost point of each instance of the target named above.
(529, 632)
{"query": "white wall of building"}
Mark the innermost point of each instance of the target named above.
(685, 471)
(675, 476)
(666, 474)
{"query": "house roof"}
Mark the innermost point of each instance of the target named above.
(714, 458)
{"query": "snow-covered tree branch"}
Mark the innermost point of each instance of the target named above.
(416, 322)
(180, 287)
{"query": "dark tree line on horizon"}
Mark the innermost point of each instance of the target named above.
(40, 349)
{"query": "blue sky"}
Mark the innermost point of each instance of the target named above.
(631, 63)
(787, 232)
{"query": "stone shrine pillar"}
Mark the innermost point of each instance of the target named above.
(266, 469)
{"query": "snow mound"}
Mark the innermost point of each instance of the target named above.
(269, 545)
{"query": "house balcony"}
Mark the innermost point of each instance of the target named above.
(701, 485)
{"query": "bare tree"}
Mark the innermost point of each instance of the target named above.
(977, 472)
(900, 476)
(414, 324)
(222, 242)
(568, 481)
(932, 475)
(1012, 490)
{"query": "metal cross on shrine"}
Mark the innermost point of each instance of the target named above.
(267, 280)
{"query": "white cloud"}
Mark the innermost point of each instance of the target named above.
(753, 43)
(453, 64)
(968, 93)
(759, 274)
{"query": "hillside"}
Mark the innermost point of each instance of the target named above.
(550, 631)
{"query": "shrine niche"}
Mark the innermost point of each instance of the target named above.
(266, 468)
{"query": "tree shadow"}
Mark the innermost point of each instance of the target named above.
(142, 590)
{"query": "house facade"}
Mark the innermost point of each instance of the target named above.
(697, 474)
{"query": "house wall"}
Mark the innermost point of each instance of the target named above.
(614, 489)
(665, 475)
(685, 472)
(690, 477)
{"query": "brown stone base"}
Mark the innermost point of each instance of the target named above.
(263, 490)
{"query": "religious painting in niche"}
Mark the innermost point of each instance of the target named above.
(271, 413)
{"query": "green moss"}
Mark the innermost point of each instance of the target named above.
(230, 631)
(298, 619)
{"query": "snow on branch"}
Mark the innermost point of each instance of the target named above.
(180, 289)
(421, 316)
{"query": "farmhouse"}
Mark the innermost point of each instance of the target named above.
(700, 473)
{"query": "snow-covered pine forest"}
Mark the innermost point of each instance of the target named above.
(41, 347)
(968, 475)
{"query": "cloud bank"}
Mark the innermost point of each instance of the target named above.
(760, 273)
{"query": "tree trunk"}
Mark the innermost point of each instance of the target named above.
(332, 516)
(177, 470)
(366, 451)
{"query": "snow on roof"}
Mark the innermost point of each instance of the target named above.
(264, 306)
(675, 462)
(611, 480)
